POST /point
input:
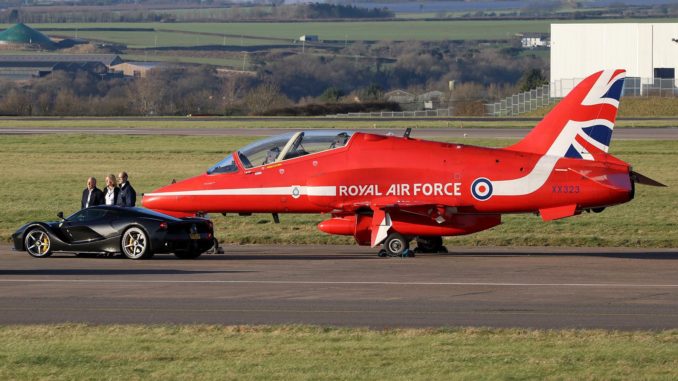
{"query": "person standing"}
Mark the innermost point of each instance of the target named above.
(127, 196)
(91, 196)
(111, 192)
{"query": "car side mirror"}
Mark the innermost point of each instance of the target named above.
(60, 215)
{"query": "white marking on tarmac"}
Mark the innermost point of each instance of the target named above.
(491, 284)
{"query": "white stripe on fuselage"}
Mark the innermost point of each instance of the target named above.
(271, 191)
(542, 170)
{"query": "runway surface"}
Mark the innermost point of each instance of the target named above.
(349, 286)
(666, 133)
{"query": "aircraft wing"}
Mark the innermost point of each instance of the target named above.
(381, 218)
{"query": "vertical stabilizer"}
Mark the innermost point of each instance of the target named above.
(580, 125)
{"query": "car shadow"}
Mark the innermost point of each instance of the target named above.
(104, 272)
(286, 257)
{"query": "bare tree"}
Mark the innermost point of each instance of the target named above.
(264, 97)
(16, 102)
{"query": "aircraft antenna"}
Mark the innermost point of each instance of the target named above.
(407, 132)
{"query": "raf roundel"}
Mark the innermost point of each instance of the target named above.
(295, 191)
(481, 189)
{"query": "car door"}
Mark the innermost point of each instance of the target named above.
(84, 225)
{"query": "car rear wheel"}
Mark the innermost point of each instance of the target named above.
(38, 243)
(135, 244)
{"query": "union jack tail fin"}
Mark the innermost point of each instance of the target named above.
(580, 126)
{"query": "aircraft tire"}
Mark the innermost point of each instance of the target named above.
(396, 244)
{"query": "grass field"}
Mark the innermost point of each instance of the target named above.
(67, 352)
(358, 30)
(46, 174)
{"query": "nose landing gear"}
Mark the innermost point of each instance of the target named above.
(396, 245)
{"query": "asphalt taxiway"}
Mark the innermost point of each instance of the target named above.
(350, 286)
(645, 133)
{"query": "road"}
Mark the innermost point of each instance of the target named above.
(349, 286)
(670, 133)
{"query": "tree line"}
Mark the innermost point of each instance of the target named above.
(237, 12)
(361, 73)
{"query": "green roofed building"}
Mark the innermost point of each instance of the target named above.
(20, 34)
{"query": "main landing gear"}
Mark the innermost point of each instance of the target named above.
(431, 244)
(397, 245)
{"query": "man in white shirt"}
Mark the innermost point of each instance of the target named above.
(91, 196)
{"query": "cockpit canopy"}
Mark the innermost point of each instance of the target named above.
(283, 147)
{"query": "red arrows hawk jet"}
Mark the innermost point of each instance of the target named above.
(391, 190)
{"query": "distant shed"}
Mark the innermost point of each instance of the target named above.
(134, 69)
(26, 66)
(647, 51)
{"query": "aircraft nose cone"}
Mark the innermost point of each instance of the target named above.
(156, 199)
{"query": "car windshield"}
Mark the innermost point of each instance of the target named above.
(88, 214)
(283, 147)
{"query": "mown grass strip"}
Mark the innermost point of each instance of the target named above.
(46, 174)
(206, 352)
(634, 107)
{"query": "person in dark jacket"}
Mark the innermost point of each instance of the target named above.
(91, 196)
(127, 196)
(111, 191)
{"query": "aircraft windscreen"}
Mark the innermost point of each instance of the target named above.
(225, 166)
(264, 151)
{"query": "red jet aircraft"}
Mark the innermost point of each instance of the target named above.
(391, 190)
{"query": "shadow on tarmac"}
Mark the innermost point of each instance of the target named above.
(104, 272)
(668, 255)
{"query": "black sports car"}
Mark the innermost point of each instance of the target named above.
(136, 232)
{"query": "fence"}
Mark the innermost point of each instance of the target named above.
(397, 114)
(521, 103)
(528, 101)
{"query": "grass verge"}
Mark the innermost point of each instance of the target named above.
(46, 174)
(633, 107)
(66, 352)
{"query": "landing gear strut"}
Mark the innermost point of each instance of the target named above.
(396, 245)
(432, 244)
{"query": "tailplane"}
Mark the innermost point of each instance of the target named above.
(580, 125)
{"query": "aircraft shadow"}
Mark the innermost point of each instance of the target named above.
(669, 255)
(286, 257)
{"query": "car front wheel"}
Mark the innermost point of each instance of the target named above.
(38, 243)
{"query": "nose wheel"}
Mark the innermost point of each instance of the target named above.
(396, 245)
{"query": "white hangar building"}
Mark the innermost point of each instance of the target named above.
(648, 52)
